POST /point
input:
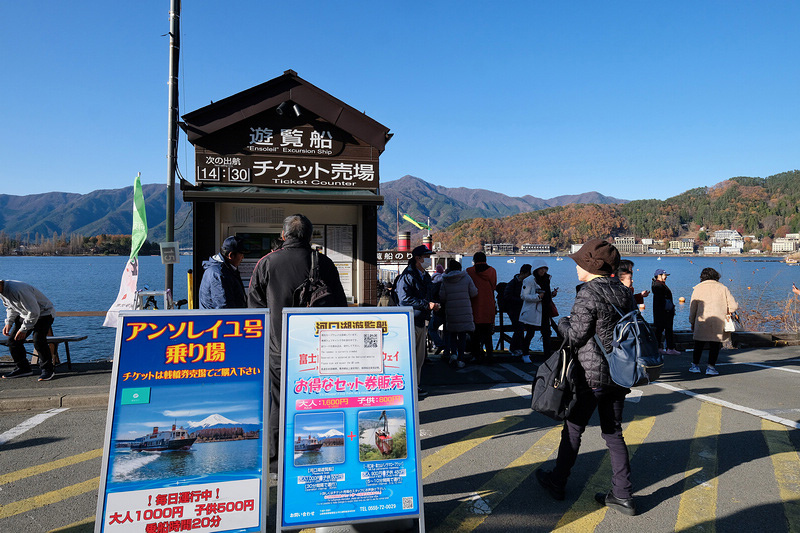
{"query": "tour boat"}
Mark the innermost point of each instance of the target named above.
(310, 444)
(158, 441)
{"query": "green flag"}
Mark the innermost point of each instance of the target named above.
(420, 225)
(139, 231)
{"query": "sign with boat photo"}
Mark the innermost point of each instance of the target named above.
(349, 451)
(184, 440)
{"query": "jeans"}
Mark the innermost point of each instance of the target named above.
(433, 330)
(609, 403)
(40, 331)
(457, 341)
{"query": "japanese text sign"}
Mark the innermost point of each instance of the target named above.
(350, 451)
(184, 446)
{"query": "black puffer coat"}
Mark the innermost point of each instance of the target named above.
(593, 312)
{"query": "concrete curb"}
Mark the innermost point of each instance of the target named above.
(53, 401)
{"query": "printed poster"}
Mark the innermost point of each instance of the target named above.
(184, 447)
(349, 418)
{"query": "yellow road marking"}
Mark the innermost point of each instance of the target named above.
(698, 503)
(46, 467)
(786, 463)
(586, 514)
(464, 517)
(76, 527)
(435, 461)
(48, 498)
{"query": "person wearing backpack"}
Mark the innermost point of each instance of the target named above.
(513, 304)
(595, 313)
(272, 285)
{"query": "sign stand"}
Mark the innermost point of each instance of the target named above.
(349, 442)
(184, 446)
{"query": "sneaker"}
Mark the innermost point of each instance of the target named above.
(711, 371)
(672, 351)
(516, 353)
(526, 358)
(421, 394)
(18, 373)
(46, 375)
(624, 506)
(544, 479)
(694, 369)
(662, 351)
(455, 363)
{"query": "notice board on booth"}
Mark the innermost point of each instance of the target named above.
(184, 441)
(349, 424)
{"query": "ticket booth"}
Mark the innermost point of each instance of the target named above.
(280, 148)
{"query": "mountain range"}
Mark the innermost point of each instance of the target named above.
(108, 211)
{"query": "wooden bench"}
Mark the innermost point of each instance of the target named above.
(54, 341)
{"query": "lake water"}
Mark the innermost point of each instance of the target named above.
(92, 283)
(202, 459)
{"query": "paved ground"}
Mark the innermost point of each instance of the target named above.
(708, 453)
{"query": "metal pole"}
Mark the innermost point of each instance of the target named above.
(172, 155)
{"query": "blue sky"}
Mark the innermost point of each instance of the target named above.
(632, 99)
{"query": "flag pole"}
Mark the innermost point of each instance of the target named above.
(172, 128)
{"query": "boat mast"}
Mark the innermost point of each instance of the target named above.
(172, 128)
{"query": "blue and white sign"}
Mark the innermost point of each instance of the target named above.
(184, 446)
(349, 437)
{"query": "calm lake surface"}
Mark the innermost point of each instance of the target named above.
(92, 283)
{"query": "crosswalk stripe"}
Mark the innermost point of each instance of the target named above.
(698, 503)
(741, 408)
(48, 498)
(586, 514)
(471, 513)
(786, 463)
(435, 461)
(30, 423)
(46, 467)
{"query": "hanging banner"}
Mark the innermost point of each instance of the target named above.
(349, 438)
(184, 447)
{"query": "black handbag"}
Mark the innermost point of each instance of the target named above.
(553, 388)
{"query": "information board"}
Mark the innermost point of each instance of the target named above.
(349, 437)
(184, 447)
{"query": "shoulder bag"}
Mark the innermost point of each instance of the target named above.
(553, 390)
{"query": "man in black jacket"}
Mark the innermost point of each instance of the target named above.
(595, 312)
(272, 285)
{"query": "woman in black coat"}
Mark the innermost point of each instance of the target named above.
(663, 312)
(598, 304)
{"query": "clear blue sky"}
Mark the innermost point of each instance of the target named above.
(632, 99)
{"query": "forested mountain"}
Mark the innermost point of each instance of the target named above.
(462, 219)
(764, 207)
(446, 206)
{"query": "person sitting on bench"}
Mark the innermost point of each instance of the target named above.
(27, 310)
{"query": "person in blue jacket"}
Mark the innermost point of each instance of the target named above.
(222, 287)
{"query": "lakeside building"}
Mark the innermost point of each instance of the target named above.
(724, 236)
(683, 246)
(647, 242)
(528, 248)
(784, 245)
(503, 248)
(627, 245)
(731, 250)
(711, 250)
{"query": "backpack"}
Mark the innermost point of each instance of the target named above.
(634, 359)
(314, 292)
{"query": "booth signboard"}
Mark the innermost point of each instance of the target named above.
(393, 256)
(184, 447)
(349, 438)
